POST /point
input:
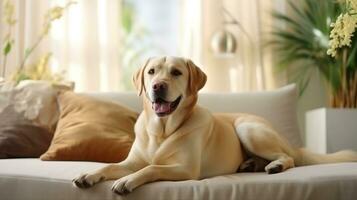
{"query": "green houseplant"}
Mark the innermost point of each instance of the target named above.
(302, 46)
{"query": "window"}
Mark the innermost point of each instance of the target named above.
(149, 29)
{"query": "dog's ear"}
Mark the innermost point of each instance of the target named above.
(196, 77)
(138, 78)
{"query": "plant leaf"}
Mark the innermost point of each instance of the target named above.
(7, 48)
(302, 43)
(27, 52)
(352, 62)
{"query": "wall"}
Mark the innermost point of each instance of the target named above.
(314, 97)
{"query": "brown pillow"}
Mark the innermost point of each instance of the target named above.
(91, 130)
(19, 137)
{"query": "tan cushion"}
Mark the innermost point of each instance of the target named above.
(91, 130)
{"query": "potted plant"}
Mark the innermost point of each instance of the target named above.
(320, 34)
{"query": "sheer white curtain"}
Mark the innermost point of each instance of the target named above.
(28, 15)
(191, 30)
(251, 68)
(84, 42)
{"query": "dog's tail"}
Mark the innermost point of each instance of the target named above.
(306, 157)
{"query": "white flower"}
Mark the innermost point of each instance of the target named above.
(53, 14)
(342, 31)
(8, 12)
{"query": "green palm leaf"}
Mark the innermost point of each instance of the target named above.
(304, 41)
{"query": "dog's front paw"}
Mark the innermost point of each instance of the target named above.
(274, 167)
(123, 186)
(87, 180)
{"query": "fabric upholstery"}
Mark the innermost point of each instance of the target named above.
(91, 130)
(279, 107)
(19, 137)
(28, 115)
(33, 179)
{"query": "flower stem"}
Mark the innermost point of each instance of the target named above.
(354, 85)
(4, 67)
(28, 53)
(344, 78)
(3, 73)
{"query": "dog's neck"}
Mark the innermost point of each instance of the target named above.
(166, 126)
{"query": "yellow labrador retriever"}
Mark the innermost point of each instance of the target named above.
(178, 140)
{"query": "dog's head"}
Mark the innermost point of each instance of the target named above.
(167, 82)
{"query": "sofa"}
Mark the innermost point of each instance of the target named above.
(31, 178)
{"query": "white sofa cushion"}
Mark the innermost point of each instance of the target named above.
(33, 179)
(278, 106)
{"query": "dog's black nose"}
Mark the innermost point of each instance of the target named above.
(159, 87)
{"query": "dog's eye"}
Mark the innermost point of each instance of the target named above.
(151, 71)
(176, 72)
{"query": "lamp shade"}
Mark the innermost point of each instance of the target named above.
(223, 42)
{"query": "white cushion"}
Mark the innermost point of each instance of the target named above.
(279, 107)
(35, 99)
(33, 179)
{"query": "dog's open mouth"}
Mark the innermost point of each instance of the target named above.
(163, 108)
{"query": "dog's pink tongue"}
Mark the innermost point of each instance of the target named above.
(162, 107)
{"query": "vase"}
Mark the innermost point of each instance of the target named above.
(331, 129)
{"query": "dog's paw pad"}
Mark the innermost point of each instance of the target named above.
(122, 191)
(274, 169)
(121, 187)
(81, 182)
(86, 181)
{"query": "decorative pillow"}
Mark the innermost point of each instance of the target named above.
(91, 130)
(277, 106)
(28, 115)
(19, 137)
(36, 100)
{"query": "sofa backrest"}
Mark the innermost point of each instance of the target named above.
(278, 106)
